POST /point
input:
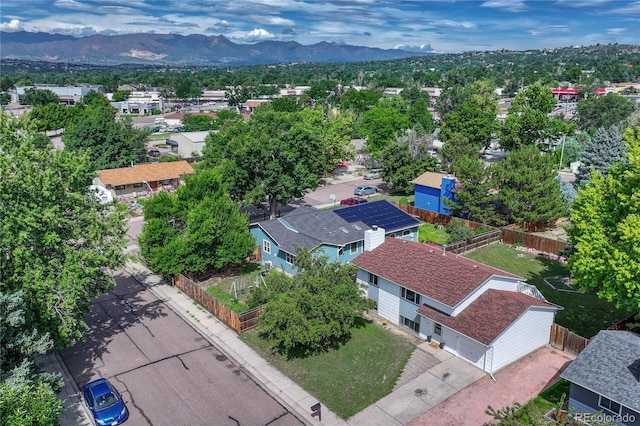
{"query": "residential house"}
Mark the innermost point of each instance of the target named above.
(187, 144)
(605, 380)
(143, 179)
(486, 316)
(339, 233)
(431, 190)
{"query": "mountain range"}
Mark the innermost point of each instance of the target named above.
(147, 48)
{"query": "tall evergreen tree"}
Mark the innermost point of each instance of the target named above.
(605, 148)
(529, 189)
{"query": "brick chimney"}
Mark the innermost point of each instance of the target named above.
(373, 237)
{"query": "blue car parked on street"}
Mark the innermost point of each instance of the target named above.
(105, 403)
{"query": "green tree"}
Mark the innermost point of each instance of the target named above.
(381, 126)
(95, 99)
(110, 144)
(475, 197)
(472, 122)
(605, 148)
(33, 96)
(288, 104)
(121, 95)
(51, 116)
(5, 98)
(313, 311)
(420, 119)
(529, 189)
(528, 121)
(197, 123)
(404, 160)
(605, 230)
(196, 228)
(359, 101)
(57, 244)
(602, 111)
(30, 405)
(274, 157)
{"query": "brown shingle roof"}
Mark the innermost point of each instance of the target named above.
(422, 268)
(487, 316)
(430, 179)
(145, 172)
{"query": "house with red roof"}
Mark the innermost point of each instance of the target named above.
(484, 315)
(143, 179)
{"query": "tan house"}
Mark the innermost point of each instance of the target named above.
(143, 179)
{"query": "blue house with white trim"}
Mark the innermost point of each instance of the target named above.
(339, 233)
(430, 191)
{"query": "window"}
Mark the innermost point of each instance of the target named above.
(437, 329)
(266, 246)
(119, 187)
(353, 248)
(340, 251)
(407, 233)
(290, 258)
(373, 279)
(166, 182)
(137, 185)
(415, 326)
(411, 296)
(609, 405)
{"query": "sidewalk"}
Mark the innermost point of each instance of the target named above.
(434, 384)
(292, 396)
(430, 377)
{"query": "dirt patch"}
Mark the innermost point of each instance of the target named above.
(558, 232)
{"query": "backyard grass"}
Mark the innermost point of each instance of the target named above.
(348, 379)
(584, 314)
(429, 232)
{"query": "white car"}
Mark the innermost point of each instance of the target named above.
(372, 174)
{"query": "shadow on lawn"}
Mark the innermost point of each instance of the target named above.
(301, 352)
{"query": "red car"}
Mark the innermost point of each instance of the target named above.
(353, 201)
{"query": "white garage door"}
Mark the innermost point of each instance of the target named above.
(472, 351)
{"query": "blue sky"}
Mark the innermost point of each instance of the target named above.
(438, 25)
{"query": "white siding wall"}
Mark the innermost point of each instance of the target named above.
(470, 350)
(496, 283)
(528, 333)
(388, 301)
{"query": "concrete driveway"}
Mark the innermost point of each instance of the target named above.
(518, 382)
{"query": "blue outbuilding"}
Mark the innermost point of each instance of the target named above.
(430, 191)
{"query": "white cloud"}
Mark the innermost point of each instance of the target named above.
(11, 26)
(506, 5)
(582, 3)
(615, 31)
(256, 35)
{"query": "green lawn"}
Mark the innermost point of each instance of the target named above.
(158, 136)
(585, 314)
(430, 232)
(351, 378)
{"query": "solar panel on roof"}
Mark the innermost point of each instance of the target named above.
(380, 213)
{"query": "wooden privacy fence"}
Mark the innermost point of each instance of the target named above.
(506, 234)
(238, 322)
(567, 341)
(538, 242)
(474, 243)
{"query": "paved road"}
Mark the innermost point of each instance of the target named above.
(167, 372)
